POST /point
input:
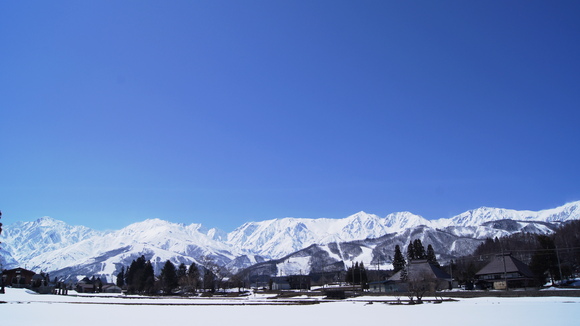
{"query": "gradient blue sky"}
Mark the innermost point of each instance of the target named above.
(222, 112)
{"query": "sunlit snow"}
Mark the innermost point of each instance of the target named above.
(24, 308)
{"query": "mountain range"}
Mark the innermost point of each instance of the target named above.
(278, 247)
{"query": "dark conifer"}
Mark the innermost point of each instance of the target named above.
(419, 249)
(182, 275)
(410, 252)
(168, 277)
(193, 277)
(148, 285)
(398, 261)
(181, 271)
(431, 257)
(121, 277)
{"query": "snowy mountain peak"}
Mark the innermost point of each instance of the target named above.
(401, 220)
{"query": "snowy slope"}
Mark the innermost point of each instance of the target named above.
(156, 239)
(280, 237)
(26, 240)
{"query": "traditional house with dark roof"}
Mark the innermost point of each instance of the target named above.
(419, 269)
(17, 277)
(505, 271)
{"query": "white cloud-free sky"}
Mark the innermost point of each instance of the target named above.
(221, 112)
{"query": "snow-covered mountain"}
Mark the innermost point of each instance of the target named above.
(105, 253)
(280, 237)
(51, 245)
(24, 241)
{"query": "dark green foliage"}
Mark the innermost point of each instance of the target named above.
(209, 279)
(149, 278)
(121, 277)
(431, 257)
(357, 274)
(181, 271)
(193, 277)
(567, 241)
(168, 277)
(398, 261)
(518, 244)
(140, 277)
(419, 249)
(415, 250)
(410, 251)
(545, 260)
(182, 276)
(547, 256)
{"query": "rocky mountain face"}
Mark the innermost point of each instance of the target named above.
(280, 246)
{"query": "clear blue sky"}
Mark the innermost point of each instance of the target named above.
(222, 112)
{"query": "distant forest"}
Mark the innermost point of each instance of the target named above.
(551, 257)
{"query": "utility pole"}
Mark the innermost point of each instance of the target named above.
(451, 271)
(559, 265)
(504, 270)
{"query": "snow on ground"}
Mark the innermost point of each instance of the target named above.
(25, 308)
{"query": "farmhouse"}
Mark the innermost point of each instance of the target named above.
(419, 270)
(505, 271)
(17, 277)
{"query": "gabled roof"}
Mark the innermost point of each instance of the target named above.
(18, 270)
(512, 265)
(422, 266)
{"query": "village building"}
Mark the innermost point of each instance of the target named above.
(111, 288)
(417, 270)
(291, 282)
(383, 286)
(17, 277)
(503, 272)
(93, 285)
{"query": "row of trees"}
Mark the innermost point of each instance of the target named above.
(415, 251)
(139, 278)
(357, 274)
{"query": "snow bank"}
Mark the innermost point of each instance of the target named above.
(24, 308)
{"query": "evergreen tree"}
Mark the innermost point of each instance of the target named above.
(431, 257)
(419, 249)
(168, 277)
(121, 277)
(209, 279)
(357, 274)
(398, 261)
(363, 278)
(128, 278)
(545, 260)
(181, 271)
(148, 285)
(193, 277)
(182, 275)
(410, 252)
(136, 276)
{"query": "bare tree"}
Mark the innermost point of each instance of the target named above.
(214, 274)
(419, 284)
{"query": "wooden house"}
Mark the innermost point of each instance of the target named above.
(17, 277)
(504, 272)
(420, 269)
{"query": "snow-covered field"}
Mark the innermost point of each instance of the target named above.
(25, 308)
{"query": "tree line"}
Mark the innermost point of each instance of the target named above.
(551, 258)
(139, 278)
